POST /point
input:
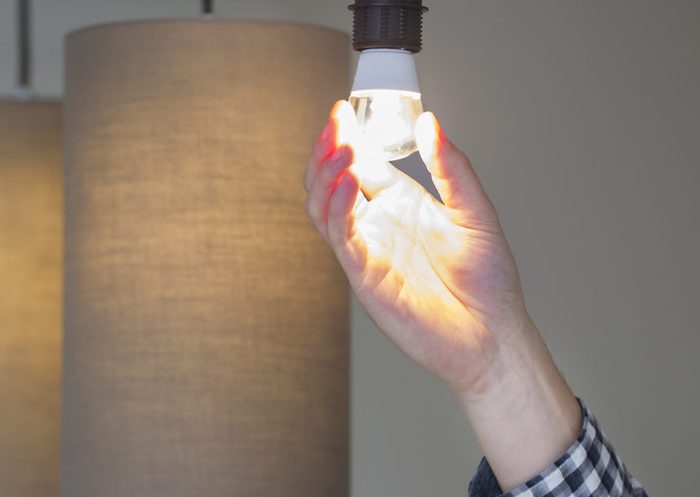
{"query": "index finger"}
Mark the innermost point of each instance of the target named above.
(335, 134)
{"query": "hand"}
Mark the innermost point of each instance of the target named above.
(439, 280)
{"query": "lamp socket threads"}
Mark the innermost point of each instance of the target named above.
(395, 24)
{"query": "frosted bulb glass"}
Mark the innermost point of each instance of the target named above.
(386, 121)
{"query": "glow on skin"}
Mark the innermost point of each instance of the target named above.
(439, 279)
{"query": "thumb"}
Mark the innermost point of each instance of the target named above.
(452, 173)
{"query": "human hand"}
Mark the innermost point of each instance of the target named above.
(439, 280)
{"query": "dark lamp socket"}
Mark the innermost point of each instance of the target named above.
(396, 24)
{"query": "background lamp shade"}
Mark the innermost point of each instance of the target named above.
(30, 297)
(206, 348)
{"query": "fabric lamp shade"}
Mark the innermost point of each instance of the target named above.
(206, 323)
(30, 297)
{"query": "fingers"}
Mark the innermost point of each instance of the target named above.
(323, 185)
(333, 190)
(338, 131)
(452, 173)
(342, 232)
(321, 151)
(331, 205)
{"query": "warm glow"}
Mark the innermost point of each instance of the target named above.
(386, 120)
(411, 258)
(406, 230)
(395, 217)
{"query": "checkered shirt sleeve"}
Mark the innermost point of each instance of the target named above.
(590, 468)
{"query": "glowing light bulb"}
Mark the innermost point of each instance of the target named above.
(386, 119)
(387, 103)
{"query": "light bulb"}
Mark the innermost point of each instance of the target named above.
(386, 120)
(385, 92)
(387, 102)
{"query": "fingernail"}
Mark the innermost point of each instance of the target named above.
(346, 123)
(334, 109)
(427, 132)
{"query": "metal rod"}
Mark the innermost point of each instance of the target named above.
(207, 7)
(24, 59)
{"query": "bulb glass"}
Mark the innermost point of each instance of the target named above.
(386, 120)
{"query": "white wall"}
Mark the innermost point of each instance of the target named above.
(583, 120)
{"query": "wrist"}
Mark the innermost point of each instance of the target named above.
(522, 411)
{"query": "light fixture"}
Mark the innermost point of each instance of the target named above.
(30, 282)
(385, 92)
(206, 322)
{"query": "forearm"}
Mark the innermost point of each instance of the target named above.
(523, 412)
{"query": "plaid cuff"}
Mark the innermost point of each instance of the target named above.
(590, 468)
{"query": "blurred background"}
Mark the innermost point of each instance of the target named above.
(583, 121)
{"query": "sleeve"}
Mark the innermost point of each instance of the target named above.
(589, 468)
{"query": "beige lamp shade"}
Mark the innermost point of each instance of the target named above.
(206, 323)
(30, 297)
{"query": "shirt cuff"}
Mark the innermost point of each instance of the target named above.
(589, 467)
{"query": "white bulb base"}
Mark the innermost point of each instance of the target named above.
(387, 102)
(386, 69)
